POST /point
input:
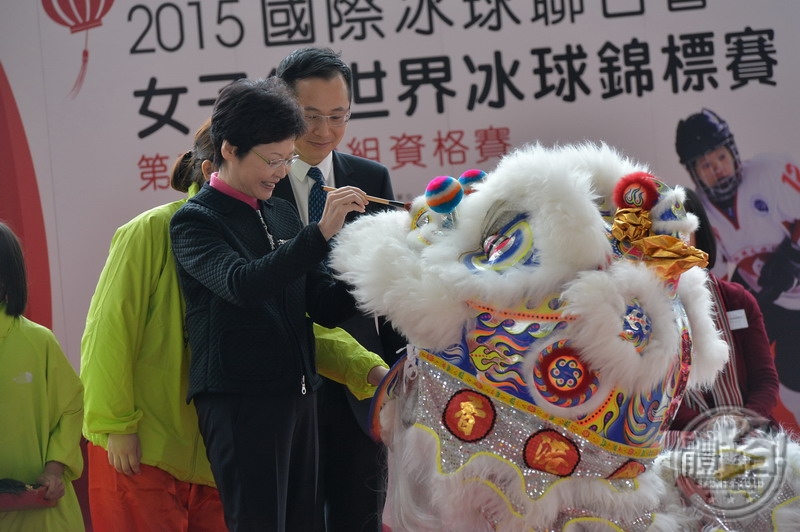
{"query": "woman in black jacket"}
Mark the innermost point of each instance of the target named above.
(253, 280)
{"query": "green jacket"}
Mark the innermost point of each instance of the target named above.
(40, 420)
(134, 358)
(135, 320)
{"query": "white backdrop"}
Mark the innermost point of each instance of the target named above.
(513, 71)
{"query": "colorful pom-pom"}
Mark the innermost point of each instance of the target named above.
(443, 194)
(636, 190)
(470, 178)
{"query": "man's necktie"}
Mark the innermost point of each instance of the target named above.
(316, 197)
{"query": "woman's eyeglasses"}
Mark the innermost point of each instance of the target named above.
(275, 163)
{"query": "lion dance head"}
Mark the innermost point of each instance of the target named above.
(555, 319)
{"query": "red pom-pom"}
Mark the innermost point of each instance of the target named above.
(636, 190)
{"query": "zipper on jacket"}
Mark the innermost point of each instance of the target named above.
(303, 389)
(266, 229)
(303, 368)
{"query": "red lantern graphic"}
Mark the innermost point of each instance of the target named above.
(21, 206)
(78, 15)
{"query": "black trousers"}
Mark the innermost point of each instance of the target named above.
(264, 453)
(352, 467)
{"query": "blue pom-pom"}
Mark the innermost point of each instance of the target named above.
(470, 177)
(443, 194)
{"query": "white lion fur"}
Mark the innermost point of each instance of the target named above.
(395, 282)
(424, 290)
(668, 198)
(598, 300)
(423, 499)
(709, 350)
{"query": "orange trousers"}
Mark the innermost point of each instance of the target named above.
(151, 501)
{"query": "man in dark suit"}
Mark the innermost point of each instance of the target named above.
(352, 465)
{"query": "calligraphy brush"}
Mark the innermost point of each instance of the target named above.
(383, 201)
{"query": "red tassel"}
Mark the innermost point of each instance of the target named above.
(82, 74)
(84, 65)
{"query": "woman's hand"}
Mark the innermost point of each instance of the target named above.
(376, 375)
(339, 203)
(124, 453)
(53, 480)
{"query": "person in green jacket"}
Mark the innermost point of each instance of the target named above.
(148, 468)
(41, 407)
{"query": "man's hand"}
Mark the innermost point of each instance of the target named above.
(124, 453)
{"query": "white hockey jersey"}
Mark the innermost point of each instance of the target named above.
(767, 203)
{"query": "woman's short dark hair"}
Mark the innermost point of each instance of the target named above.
(188, 168)
(314, 62)
(704, 236)
(13, 280)
(251, 112)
